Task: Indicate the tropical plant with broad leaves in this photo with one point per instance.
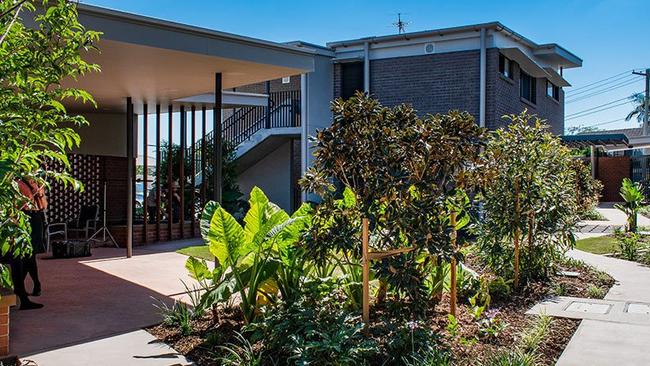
(40, 53)
(632, 194)
(254, 261)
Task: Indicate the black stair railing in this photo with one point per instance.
(283, 111)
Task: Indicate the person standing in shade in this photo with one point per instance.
(21, 267)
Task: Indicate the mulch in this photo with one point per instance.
(467, 347)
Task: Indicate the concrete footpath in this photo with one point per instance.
(611, 342)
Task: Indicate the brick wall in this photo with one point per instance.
(433, 83)
(611, 171)
(437, 83)
(503, 97)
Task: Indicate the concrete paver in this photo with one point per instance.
(598, 342)
(137, 348)
(96, 298)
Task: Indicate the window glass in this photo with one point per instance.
(528, 86)
(505, 66)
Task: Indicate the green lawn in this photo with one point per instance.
(597, 245)
(199, 251)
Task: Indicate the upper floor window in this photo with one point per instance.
(286, 80)
(505, 66)
(528, 87)
(552, 90)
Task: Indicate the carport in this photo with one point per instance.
(174, 80)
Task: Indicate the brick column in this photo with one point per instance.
(6, 301)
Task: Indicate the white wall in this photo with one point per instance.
(105, 135)
(273, 175)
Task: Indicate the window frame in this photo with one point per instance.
(554, 90)
(532, 87)
(506, 65)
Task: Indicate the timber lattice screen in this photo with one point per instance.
(64, 203)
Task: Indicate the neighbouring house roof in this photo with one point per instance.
(629, 132)
(549, 50)
(618, 140)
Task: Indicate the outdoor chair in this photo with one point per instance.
(82, 227)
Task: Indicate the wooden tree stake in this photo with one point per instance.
(517, 233)
(365, 262)
(453, 299)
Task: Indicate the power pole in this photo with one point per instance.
(646, 118)
(646, 100)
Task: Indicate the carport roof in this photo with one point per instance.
(158, 61)
(616, 140)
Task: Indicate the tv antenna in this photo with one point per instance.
(401, 25)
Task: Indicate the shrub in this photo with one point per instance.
(179, 315)
(499, 289)
(595, 292)
(628, 244)
(305, 333)
(529, 200)
(587, 191)
(398, 170)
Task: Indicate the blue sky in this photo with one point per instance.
(611, 36)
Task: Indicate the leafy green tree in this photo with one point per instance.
(632, 194)
(529, 200)
(587, 189)
(400, 169)
(36, 130)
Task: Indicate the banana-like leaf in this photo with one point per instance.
(225, 237)
(198, 269)
(206, 218)
(220, 293)
(256, 215)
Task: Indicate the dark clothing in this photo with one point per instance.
(17, 275)
(37, 222)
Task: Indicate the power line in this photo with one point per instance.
(596, 111)
(600, 81)
(598, 106)
(619, 79)
(613, 87)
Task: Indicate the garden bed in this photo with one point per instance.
(465, 343)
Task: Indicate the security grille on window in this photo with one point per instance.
(528, 86)
(552, 90)
(505, 66)
(286, 80)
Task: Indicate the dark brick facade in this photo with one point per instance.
(440, 82)
(503, 97)
(433, 83)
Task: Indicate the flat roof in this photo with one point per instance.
(571, 59)
(160, 62)
(175, 26)
(614, 140)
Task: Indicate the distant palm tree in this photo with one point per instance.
(639, 110)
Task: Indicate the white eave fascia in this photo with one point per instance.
(174, 26)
